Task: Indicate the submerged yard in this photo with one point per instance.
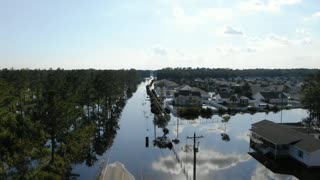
(218, 157)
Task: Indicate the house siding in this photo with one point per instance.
(294, 152)
(188, 101)
(258, 97)
(314, 158)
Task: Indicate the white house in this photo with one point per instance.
(244, 101)
(184, 87)
(283, 141)
(165, 88)
(271, 97)
(226, 98)
(187, 98)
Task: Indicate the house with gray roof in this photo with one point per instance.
(226, 97)
(204, 95)
(187, 98)
(282, 141)
(165, 88)
(272, 97)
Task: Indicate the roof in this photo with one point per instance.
(225, 95)
(202, 92)
(274, 132)
(273, 95)
(184, 87)
(282, 134)
(187, 93)
(165, 83)
(244, 97)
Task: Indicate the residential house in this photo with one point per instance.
(282, 141)
(187, 98)
(204, 95)
(184, 87)
(165, 88)
(271, 97)
(244, 101)
(226, 98)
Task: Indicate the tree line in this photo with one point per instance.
(192, 73)
(51, 119)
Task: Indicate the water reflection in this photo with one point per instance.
(263, 173)
(281, 169)
(217, 159)
(207, 161)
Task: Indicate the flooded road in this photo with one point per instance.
(219, 157)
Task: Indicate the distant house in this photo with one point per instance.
(243, 101)
(187, 98)
(226, 98)
(282, 141)
(204, 95)
(184, 87)
(165, 88)
(271, 97)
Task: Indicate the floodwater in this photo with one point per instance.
(219, 157)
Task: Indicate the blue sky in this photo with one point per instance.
(152, 34)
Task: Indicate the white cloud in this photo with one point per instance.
(202, 16)
(216, 14)
(273, 41)
(243, 136)
(262, 172)
(180, 17)
(232, 31)
(266, 6)
(160, 51)
(313, 17)
(205, 165)
(316, 15)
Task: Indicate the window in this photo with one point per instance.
(300, 154)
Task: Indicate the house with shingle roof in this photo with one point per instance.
(282, 141)
(184, 87)
(165, 88)
(187, 98)
(224, 97)
(271, 97)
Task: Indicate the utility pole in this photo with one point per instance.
(195, 150)
(281, 104)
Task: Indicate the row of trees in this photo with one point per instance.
(50, 119)
(192, 73)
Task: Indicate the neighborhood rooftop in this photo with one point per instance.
(273, 95)
(281, 134)
(165, 83)
(187, 93)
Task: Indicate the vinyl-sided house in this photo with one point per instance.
(244, 101)
(271, 97)
(226, 98)
(282, 141)
(184, 87)
(165, 88)
(187, 98)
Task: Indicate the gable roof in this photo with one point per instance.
(202, 92)
(282, 134)
(273, 95)
(274, 132)
(165, 83)
(187, 93)
(225, 95)
(184, 87)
